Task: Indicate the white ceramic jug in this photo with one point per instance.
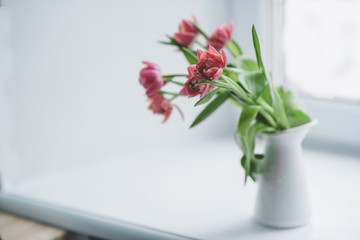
(283, 199)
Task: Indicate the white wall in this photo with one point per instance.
(69, 81)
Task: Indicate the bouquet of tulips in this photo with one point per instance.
(244, 81)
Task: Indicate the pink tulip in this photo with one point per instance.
(160, 105)
(150, 78)
(221, 36)
(187, 33)
(211, 63)
(190, 89)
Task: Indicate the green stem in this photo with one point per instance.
(174, 97)
(200, 44)
(237, 89)
(236, 102)
(233, 69)
(175, 82)
(265, 105)
(200, 30)
(174, 75)
(168, 78)
(234, 48)
(232, 52)
(169, 93)
(269, 118)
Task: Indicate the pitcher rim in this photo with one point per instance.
(296, 129)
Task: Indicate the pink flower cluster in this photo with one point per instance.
(209, 67)
(160, 105)
(151, 79)
(221, 36)
(187, 33)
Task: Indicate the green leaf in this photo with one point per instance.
(236, 101)
(252, 163)
(266, 118)
(248, 114)
(234, 48)
(245, 63)
(189, 55)
(211, 107)
(281, 93)
(300, 114)
(217, 83)
(243, 164)
(236, 88)
(207, 97)
(293, 101)
(277, 103)
(278, 106)
(254, 82)
(254, 130)
(266, 95)
(233, 70)
(247, 156)
(232, 75)
(166, 43)
(257, 49)
(297, 113)
(200, 30)
(296, 121)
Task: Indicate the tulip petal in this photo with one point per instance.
(224, 58)
(212, 50)
(231, 29)
(211, 64)
(151, 79)
(166, 116)
(183, 92)
(187, 33)
(185, 39)
(181, 113)
(199, 53)
(218, 74)
(221, 36)
(151, 65)
(195, 19)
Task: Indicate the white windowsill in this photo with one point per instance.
(199, 194)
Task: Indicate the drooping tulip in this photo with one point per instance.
(221, 36)
(211, 63)
(160, 105)
(151, 79)
(187, 33)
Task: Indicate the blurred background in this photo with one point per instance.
(70, 93)
(69, 90)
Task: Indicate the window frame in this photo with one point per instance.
(339, 120)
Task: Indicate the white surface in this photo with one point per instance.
(199, 192)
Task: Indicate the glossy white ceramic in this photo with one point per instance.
(283, 199)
